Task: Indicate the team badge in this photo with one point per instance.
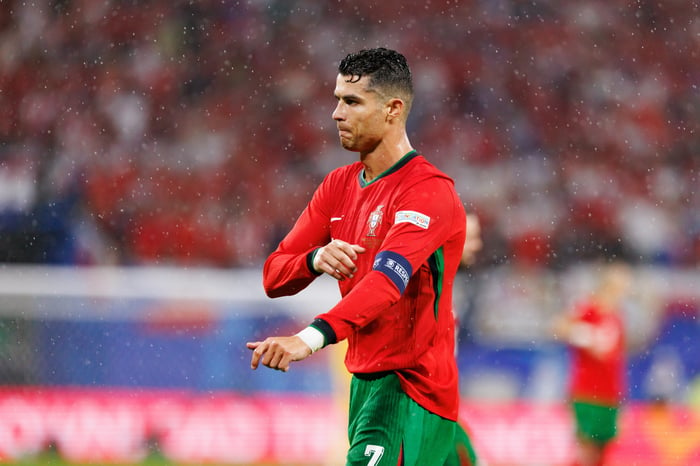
(375, 220)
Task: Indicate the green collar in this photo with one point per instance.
(396, 167)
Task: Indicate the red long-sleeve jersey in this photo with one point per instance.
(599, 378)
(397, 310)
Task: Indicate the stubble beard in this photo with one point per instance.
(347, 144)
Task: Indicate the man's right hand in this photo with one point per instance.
(278, 352)
(337, 259)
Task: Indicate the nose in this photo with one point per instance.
(338, 114)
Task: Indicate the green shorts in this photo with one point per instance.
(597, 423)
(385, 424)
(463, 453)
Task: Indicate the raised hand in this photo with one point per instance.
(337, 259)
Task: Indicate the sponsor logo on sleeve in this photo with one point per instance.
(410, 216)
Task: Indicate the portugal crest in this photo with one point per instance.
(375, 220)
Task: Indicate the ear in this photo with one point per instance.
(394, 108)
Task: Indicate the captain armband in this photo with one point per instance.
(395, 267)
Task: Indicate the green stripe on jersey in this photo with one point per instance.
(437, 269)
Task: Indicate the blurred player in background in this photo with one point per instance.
(595, 332)
(391, 229)
(463, 453)
(473, 242)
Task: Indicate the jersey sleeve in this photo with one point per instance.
(288, 269)
(425, 218)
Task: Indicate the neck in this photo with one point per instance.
(383, 157)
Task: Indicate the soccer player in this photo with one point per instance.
(595, 332)
(390, 228)
(473, 242)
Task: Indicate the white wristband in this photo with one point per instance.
(313, 338)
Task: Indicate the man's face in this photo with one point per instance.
(360, 115)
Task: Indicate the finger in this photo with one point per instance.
(341, 272)
(285, 362)
(267, 357)
(352, 252)
(257, 353)
(358, 249)
(253, 344)
(348, 253)
(341, 250)
(325, 262)
(333, 267)
(337, 259)
(343, 263)
(346, 265)
(337, 270)
(276, 359)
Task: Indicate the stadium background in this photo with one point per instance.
(152, 154)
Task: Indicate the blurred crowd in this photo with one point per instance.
(193, 133)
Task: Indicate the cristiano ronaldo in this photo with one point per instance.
(390, 229)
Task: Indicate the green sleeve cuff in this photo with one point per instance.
(310, 262)
(327, 331)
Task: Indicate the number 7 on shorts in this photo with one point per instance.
(376, 452)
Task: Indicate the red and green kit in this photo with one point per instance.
(599, 379)
(396, 312)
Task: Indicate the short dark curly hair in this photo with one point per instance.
(387, 70)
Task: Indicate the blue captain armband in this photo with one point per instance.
(394, 266)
